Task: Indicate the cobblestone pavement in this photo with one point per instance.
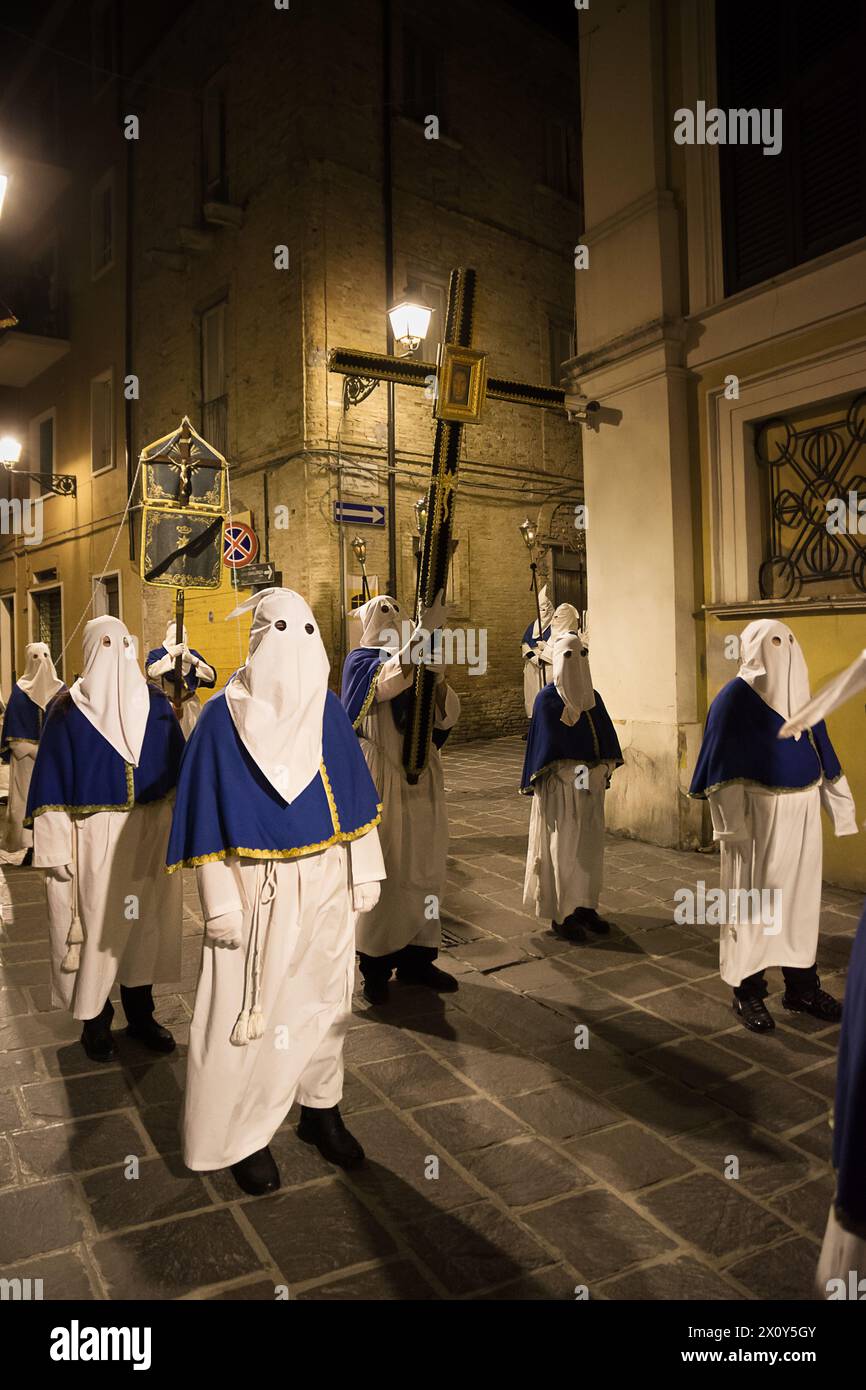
(557, 1167)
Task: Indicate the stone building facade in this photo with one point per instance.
(260, 208)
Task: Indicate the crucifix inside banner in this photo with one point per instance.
(461, 386)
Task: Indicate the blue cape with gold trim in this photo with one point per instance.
(360, 673)
(78, 771)
(592, 740)
(534, 641)
(741, 745)
(192, 680)
(22, 720)
(226, 806)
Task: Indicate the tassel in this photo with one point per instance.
(240, 1033)
(72, 959)
(256, 1027)
(74, 938)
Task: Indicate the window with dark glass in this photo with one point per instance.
(779, 211)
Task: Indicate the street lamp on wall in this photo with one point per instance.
(359, 549)
(63, 484)
(409, 324)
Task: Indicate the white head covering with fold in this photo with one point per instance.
(773, 664)
(545, 605)
(277, 698)
(111, 691)
(565, 619)
(571, 675)
(836, 692)
(380, 620)
(40, 681)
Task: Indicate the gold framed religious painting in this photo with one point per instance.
(183, 469)
(462, 385)
(180, 548)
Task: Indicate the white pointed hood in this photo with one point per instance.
(111, 691)
(571, 675)
(277, 698)
(545, 605)
(773, 664)
(380, 619)
(40, 681)
(565, 619)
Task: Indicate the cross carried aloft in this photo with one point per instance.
(461, 386)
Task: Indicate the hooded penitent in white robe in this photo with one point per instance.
(768, 824)
(274, 994)
(535, 650)
(39, 684)
(571, 753)
(114, 913)
(414, 829)
(195, 671)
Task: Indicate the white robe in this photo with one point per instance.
(130, 908)
(414, 827)
(238, 1096)
(21, 760)
(536, 674)
(772, 841)
(565, 853)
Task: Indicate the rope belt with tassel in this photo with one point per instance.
(250, 1025)
(75, 935)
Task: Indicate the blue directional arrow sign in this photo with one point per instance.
(359, 514)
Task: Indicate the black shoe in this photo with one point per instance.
(568, 930)
(27, 860)
(818, 1003)
(257, 1174)
(376, 991)
(152, 1034)
(326, 1130)
(754, 1015)
(426, 973)
(96, 1036)
(588, 917)
(137, 1001)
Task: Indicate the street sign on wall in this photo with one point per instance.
(359, 513)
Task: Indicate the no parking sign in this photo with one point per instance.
(240, 546)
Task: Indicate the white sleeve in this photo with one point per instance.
(449, 718)
(728, 810)
(205, 672)
(52, 839)
(219, 888)
(365, 855)
(161, 667)
(838, 802)
(23, 750)
(392, 679)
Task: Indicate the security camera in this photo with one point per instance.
(579, 407)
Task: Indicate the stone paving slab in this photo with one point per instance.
(568, 1118)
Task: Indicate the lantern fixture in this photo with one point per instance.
(409, 324)
(420, 510)
(529, 532)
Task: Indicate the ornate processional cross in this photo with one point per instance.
(461, 386)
